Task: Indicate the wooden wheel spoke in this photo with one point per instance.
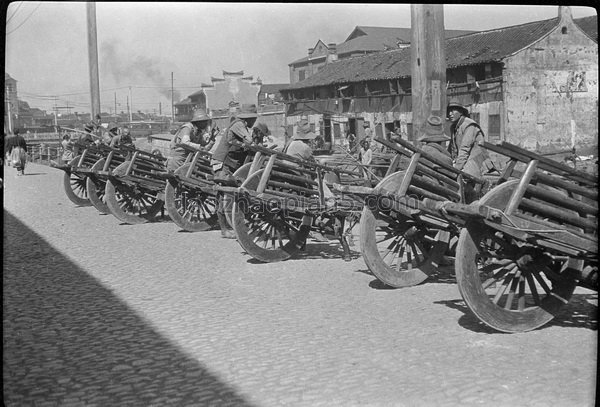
(511, 291)
(521, 299)
(551, 274)
(409, 258)
(422, 249)
(541, 281)
(533, 288)
(500, 291)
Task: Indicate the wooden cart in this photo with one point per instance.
(528, 242)
(75, 177)
(403, 233)
(283, 199)
(134, 191)
(97, 175)
(190, 198)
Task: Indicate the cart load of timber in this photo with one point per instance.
(402, 233)
(283, 199)
(190, 197)
(134, 191)
(522, 247)
(74, 180)
(97, 175)
(528, 243)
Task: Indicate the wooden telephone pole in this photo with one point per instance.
(93, 58)
(428, 62)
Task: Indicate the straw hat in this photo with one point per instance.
(200, 116)
(434, 130)
(247, 111)
(263, 129)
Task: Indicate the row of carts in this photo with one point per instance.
(519, 251)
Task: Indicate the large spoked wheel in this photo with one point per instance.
(130, 204)
(266, 235)
(75, 186)
(190, 209)
(96, 188)
(399, 251)
(511, 285)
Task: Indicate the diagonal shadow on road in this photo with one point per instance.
(69, 340)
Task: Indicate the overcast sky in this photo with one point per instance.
(140, 44)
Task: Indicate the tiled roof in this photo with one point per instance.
(378, 38)
(374, 39)
(589, 25)
(470, 49)
(186, 101)
(273, 87)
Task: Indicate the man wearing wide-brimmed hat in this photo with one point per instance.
(299, 147)
(260, 131)
(433, 139)
(191, 134)
(464, 147)
(228, 157)
(107, 136)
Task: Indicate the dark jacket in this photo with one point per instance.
(227, 152)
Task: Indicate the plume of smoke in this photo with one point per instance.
(138, 69)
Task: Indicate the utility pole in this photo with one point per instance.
(115, 103)
(172, 102)
(93, 58)
(428, 64)
(55, 111)
(8, 110)
(131, 109)
(159, 109)
(128, 110)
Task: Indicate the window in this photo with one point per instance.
(301, 75)
(564, 30)
(494, 134)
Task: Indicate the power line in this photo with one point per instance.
(24, 21)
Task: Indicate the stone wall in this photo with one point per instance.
(551, 92)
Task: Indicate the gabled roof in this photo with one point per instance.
(186, 101)
(469, 49)
(364, 38)
(373, 39)
(200, 92)
(273, 87)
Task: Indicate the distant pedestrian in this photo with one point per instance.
(17, 149)
(365, 155)
(351, 139)
(67, 145)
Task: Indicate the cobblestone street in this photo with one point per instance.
(99, 313)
